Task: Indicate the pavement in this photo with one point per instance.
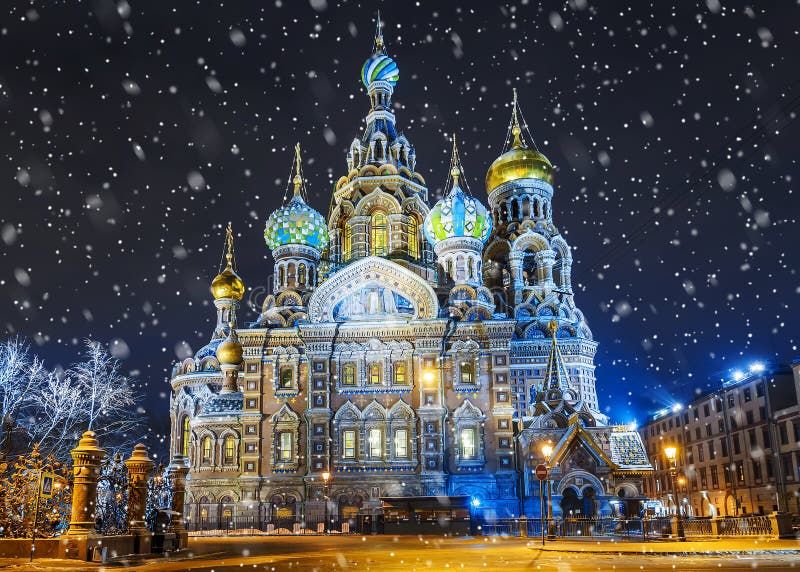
(418, 553)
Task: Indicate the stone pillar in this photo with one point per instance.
(544, 267)
(781, 525)
(176, 475)
(86, 459)
(139, 467)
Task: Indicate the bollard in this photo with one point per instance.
(86, 459)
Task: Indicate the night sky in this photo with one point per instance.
(132, 132)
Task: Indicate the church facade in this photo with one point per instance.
(405, 350)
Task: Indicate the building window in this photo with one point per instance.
(466, 372)
(285, 381)
(757, 471)
(349, 438)
(401, 444)
(347, 245)
(206, 450)
(285, 447)
(185, 436)
(379, 234)
(714, 477)
(301, 274)
(250, 467)
(229, 447)
(250, 429)
(252, 403)
(374, 374)
(250, 447)
(467, 439)
(400, 374)
(349, 374)
(760, 389)
(252, 385)
(375, 444)
(747, 394)
(784, 433)
(413, 238)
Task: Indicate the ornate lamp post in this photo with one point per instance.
(672, 455)
(547, 453)
(325, 477)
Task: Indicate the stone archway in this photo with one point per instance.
(589, 502)
(571, 503)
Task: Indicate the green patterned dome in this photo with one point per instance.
(296, 223)
(458, 214)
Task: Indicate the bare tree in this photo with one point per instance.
(20, 376)
(57, 415)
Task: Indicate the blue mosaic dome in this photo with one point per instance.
(380, 67)
(224, 403)
(458, 214)
(296, 223)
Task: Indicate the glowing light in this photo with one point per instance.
(756, 367)
(738, 375)
(670, 452)
(677, 407)
(476, 502)
(547, 450)
(633, 426)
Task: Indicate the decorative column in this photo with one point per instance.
(86, 459)
(544, 266)
(176, 475)
(515, 268)
(139, 467)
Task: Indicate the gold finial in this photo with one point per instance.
(515, 129)
(553, 325)
(298, 179)
(229, 245)
(455, 171)
(379, 35)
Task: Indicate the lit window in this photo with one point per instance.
(349, 444)
(206, 447)
(375, 444)
(466, 372)
(400, 374)
(379, 234)
(185, 437)
(401, 444)
(286, 378)
(348, 243)
(230, 450)
(349, 374)
(374, 374)
(413, 240)
(468, 443)
(285, 451)
(301, 274)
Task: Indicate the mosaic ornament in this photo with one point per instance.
(456, 215)
(380, 67)
(296, 223)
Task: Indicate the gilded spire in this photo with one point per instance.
(456, 170)
(298, 179)
(379, 35)
(515, 128)
(556, 375)
(227, 284)
(229, 247)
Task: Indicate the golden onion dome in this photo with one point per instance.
(519, 162)
(229, 352)
(227, 284)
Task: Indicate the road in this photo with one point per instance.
(409, 554)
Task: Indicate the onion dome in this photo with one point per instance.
(227, 284)
(457, 215)
(296, 222)
(230, 352)
(379, 67)
(519, 162)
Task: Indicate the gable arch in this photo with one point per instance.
(377, 199)
(530, 241)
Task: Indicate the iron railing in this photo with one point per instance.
(745, 526)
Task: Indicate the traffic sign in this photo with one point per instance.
(540, 472)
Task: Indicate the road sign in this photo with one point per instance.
(48, 480)
(540, 472)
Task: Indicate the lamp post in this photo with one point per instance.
(325, 477)
(547, 453)
(672, 455)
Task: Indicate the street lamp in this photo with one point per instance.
(672, 455)
(325, 476)
(547, 452)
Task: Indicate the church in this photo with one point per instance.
(405, 350)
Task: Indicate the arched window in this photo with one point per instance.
(285, 378)
(281, 276)
(301, 275)
(374, 374)
(467, 442)
(413, 238)
(205, 455)
(229, 450)
(379, 234)
(348, 243)
(466, 372)
(400, 373)
(349, 374)
(185, 436)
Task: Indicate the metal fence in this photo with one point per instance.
(255, 526)
(745, 526)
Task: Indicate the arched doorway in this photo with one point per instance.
(226, 512)
(571, 505)
(589, 502)
(730, 506)
(349, 506)
(283, 510)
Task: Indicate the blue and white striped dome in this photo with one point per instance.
(296, 223)
(456, 215)
(380, 67)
